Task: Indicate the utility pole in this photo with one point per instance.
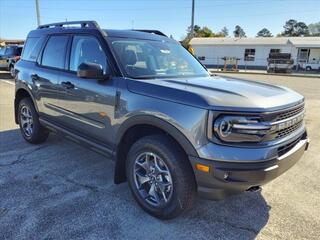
(38, 12)
(192, 20)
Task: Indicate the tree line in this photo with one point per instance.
(292, 28)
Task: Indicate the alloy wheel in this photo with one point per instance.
(153, 179)
(26, 121)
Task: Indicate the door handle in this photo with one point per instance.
(67, 85)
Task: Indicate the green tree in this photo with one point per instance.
(196, 28)
(264, 32)
(239, 32)
(293, 28)
(199, 32)
(205, 32)
(314, 29)
(224, 32)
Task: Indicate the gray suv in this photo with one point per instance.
(139, 98)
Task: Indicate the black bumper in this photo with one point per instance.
(228, 178)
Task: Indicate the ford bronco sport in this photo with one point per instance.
(140, 98)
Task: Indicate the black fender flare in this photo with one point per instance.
(22, 87)
(162, 124)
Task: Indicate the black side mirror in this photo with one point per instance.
(90, 70)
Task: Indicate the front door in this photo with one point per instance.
(87, 105)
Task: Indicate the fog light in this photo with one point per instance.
(202, 168)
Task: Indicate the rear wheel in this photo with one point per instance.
(30, 127)
(160, 177)
(308, 68)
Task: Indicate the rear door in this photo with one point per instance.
(47, 73)
(87, 105)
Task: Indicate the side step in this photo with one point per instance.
(79, 139)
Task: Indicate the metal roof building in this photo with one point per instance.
(253, 52)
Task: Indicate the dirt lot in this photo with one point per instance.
(59, 190)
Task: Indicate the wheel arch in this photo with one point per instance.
(20, 94)
(143, 126)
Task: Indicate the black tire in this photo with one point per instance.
(308, 68)
(38, 134)
(12, 72)
(183, 192)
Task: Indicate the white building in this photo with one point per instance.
(253, 52)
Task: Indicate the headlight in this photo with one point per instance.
(239, 129)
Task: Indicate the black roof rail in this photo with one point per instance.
(151, 31)
(83, 24)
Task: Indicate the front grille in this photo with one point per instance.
(290, 113)
(281, 118)
(285, 132)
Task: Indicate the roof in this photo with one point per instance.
(305, 41)
(92, 27)
(296, 41)
(108, 32)
(136, 34)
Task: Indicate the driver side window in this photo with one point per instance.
(87, 49)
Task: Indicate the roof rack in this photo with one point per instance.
(157, 32)
(83, 24)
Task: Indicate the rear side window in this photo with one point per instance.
(32, 48)
(55, 51)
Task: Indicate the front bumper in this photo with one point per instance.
(228, 177)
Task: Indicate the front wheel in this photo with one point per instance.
(12, 71)
(30, 127)
(160, 177)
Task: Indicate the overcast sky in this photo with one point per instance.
(18, 17)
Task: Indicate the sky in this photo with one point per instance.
(18, 17)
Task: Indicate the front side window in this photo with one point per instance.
(87, 49)
(55, 51)
(249, 54)
(142, 58)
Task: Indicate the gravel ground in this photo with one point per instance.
(59, 190)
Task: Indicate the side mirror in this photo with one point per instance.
(90, 70)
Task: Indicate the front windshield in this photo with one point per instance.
(155, 59)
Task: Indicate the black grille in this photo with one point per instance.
(285, 132)
(290, 113)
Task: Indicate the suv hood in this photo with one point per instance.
(218, 93)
